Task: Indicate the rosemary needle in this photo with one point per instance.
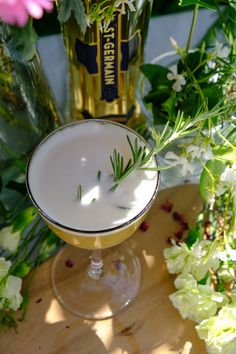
(99, 175)
(79, 192)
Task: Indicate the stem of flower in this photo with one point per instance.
(198, 88)
(226, 217)
(194, 19)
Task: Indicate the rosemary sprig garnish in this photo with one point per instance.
(123, 207)
(140, 158)
(79, 193)
(99, 175)
(120, 171)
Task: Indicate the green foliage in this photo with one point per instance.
(156, 74)
(193, 236)
(22, 269)
(209, 4)
(22, 42)
(203, 79)
(210, 177)
(75, 8)
(17, 186)
(224, 153)
(24, 219)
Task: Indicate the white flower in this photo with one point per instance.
(226, 273)
(4, 267)
(229, 174)
(9, 239)
(219, 332)
(184, 280)
(178, 258)
(179, 160)
(211, 200)
(208, 154)
(179, 79)
(227, 180)
(197, 303)
(10, 293)
(181, 259)
(221, 51)
(197, 152)
(173, 43)
(202, 260)
(123, 3)
(228, 254)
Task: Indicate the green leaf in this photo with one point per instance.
(158, 95)
(22, 43)
(193, 60)
(207, 183)
(189, 104)
(203, 281)
(231, 134)
(225, 153)
(21, 270)
(3, 212)
(170, 107)
(5, 78)
(158, 116)
(77, 7)
(192, 237)
(213, 94)
(209, 4)
(1, 184)
(24, 219)
(156, 74)
(16, 186)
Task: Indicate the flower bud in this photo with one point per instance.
(226, 273)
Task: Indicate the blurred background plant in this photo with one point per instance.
(27, 113)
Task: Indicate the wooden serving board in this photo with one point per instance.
(149, 326)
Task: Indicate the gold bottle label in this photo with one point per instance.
(108, 60)
(109, 63)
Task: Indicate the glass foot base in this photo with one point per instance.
(93, 298)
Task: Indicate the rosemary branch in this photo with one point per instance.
(140, 158)
(120, 171)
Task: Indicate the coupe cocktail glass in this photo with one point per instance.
(69, 180)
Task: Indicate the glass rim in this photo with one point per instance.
(81, 231)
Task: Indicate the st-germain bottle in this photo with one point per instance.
(104, 64)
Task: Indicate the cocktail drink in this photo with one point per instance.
(70, 181)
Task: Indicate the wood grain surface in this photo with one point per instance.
(149, 326)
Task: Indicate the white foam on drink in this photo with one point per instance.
(73, 156)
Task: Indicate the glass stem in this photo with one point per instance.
(96, 265)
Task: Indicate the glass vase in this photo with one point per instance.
(104, 65)
(173, 176)
(27, 107)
